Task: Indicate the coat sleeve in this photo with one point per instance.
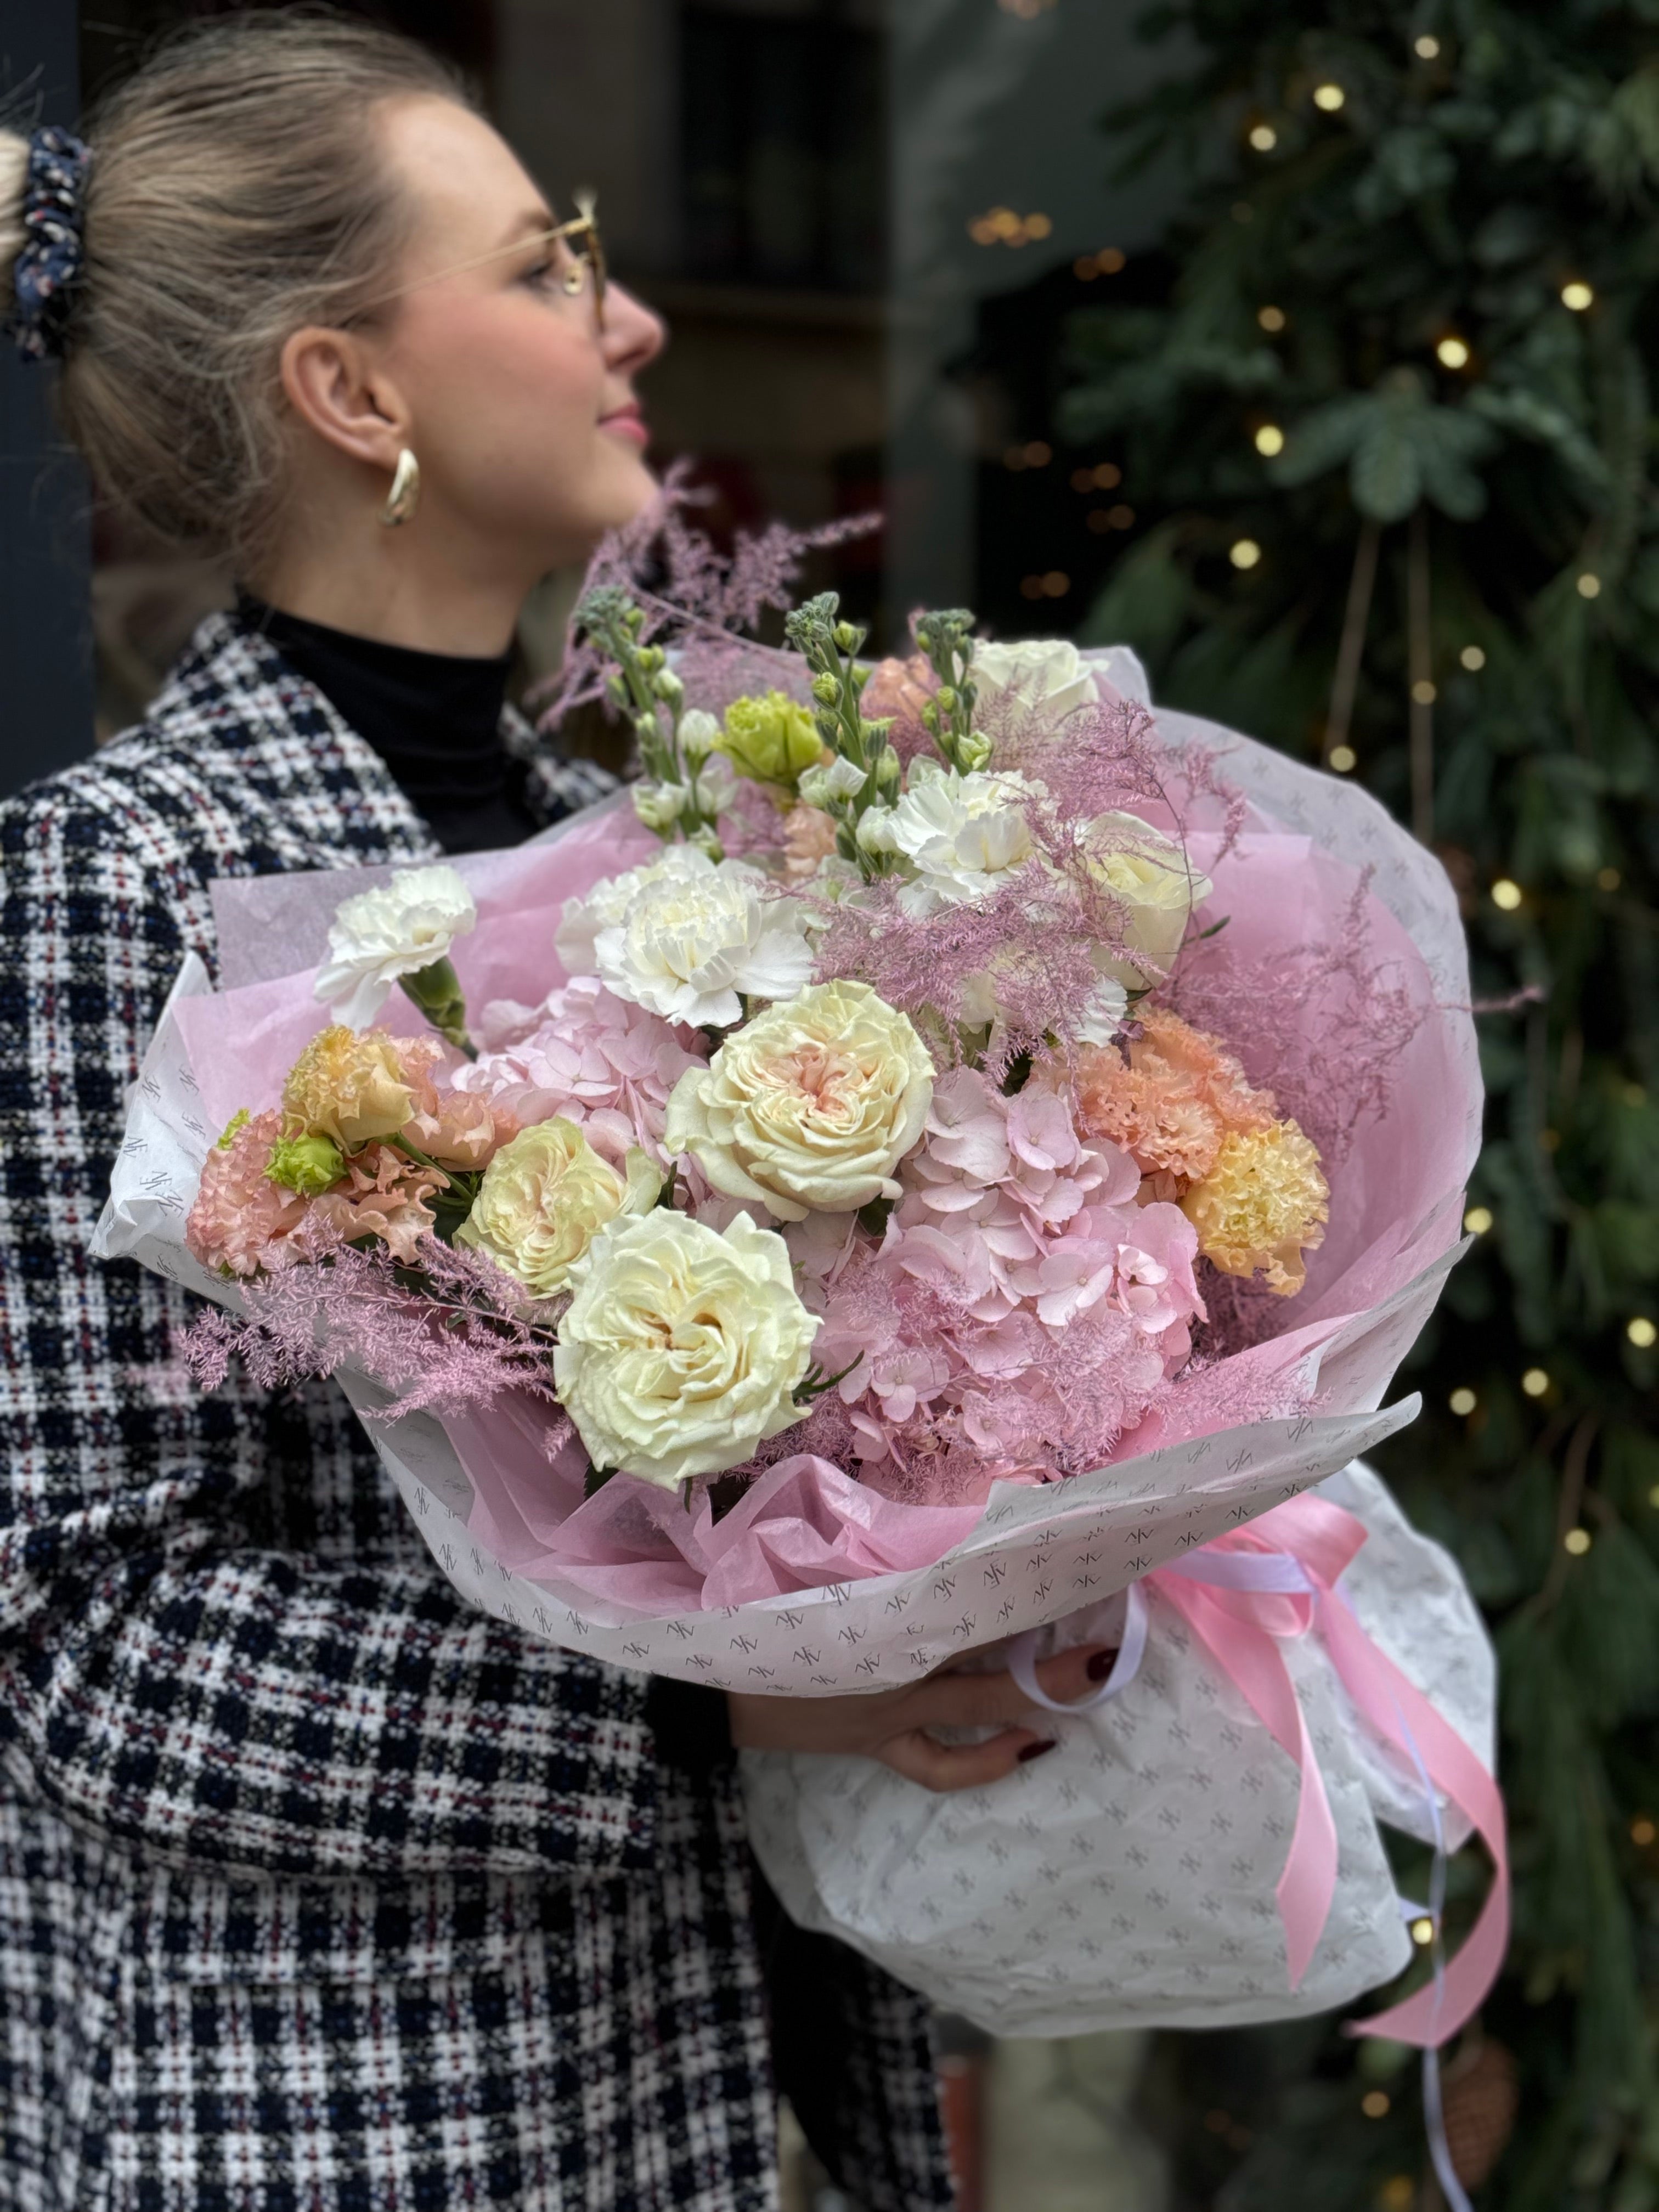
(178, 1668)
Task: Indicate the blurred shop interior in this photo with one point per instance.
(867, 223)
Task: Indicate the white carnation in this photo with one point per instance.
(1048, 673)
(960, 833)
(686, 944)
(380, 936)
(607, 902)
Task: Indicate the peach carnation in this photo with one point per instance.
(241, 1221)
(809, 836)
(1172, 1104)
(1265, 1204)
(383, 1195)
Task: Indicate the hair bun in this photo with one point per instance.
(53, 219)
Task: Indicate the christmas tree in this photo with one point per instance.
(1387, 433)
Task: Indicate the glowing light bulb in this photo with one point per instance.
(1642, 1333)
(1427, 48)
(1534, 1383)
(1271, 319)
(1264, 137)
(1375, 2104)
(1343, 759)
(1270, 440)
(1641, 1830)
(1422, 1931)
(1477, 1220)
(1472, 659)
(1607, 879)
(1329, 97)
(1590, 586)
(1423, 693)
(1577, 1541)
(1452, 353)
(1462, 1402)
(1506, 895)
(1577, 296)
(1244, 553)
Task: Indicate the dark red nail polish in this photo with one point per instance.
(1036, 1750)
(1100, 1665)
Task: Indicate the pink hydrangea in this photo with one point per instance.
(593, 1058)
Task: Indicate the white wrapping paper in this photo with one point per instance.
(1127, 1878)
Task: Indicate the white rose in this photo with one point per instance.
(380, 936)
(810, 1107)
(607, 902)
(1044, 672)
(687, 944)
(683, 1346)
(1158, 887)
(961, 832)
(544, 1199)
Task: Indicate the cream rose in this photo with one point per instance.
(544, 1199)
(1048, 673)
(810, 1107)
(683, 1346)
(1157, 885)
(381, 936)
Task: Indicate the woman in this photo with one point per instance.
(317, 1889)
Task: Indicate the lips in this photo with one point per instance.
(627, 422)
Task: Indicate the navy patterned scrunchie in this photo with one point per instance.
(47, 269)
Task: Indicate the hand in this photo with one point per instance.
(893, 1725)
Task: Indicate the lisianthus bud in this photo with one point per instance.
(889, 769)
(307, 1164)
(700, 732)
(973, 752)
(825, 690)
(847, 638)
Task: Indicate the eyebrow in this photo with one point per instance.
(537, 222)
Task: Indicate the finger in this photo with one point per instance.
(1070, 1676)
(947, 1767)
(997, 1700)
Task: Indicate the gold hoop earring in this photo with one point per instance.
(405, 494)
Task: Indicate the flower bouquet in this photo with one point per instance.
(949, 1145)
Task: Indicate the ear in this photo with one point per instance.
(332, 384)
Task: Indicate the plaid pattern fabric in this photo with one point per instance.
(317, 1890)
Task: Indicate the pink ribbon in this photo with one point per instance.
(1247, 1594)
(1244, 1618)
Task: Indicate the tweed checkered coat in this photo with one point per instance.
(318, 1892)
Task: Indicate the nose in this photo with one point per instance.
(634, 336)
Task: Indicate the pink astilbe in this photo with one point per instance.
(442, 1336)
(241, 1221)
(688, 591)
(1323, 1026)
(595, 1059)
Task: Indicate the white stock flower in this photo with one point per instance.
(380, 936)
(686, 944)
(659, 806)
(961, 832)
(1158, 887)
(545, 1196)
(683, 1346)
(1047, 673)
(844, 779)
(607, 902)
(810, 1107)
(700, 732)
(875, 831)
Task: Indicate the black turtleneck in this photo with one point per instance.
(434, 718)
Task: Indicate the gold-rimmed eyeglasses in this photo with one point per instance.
(580, 235)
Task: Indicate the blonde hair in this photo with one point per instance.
(238, 190)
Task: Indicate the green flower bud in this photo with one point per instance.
(771, 739)
(972, 752)
(238, 1121)
(889, 769)
(847, 637)
(667, 685)
(306, 1165)
(826, 690)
